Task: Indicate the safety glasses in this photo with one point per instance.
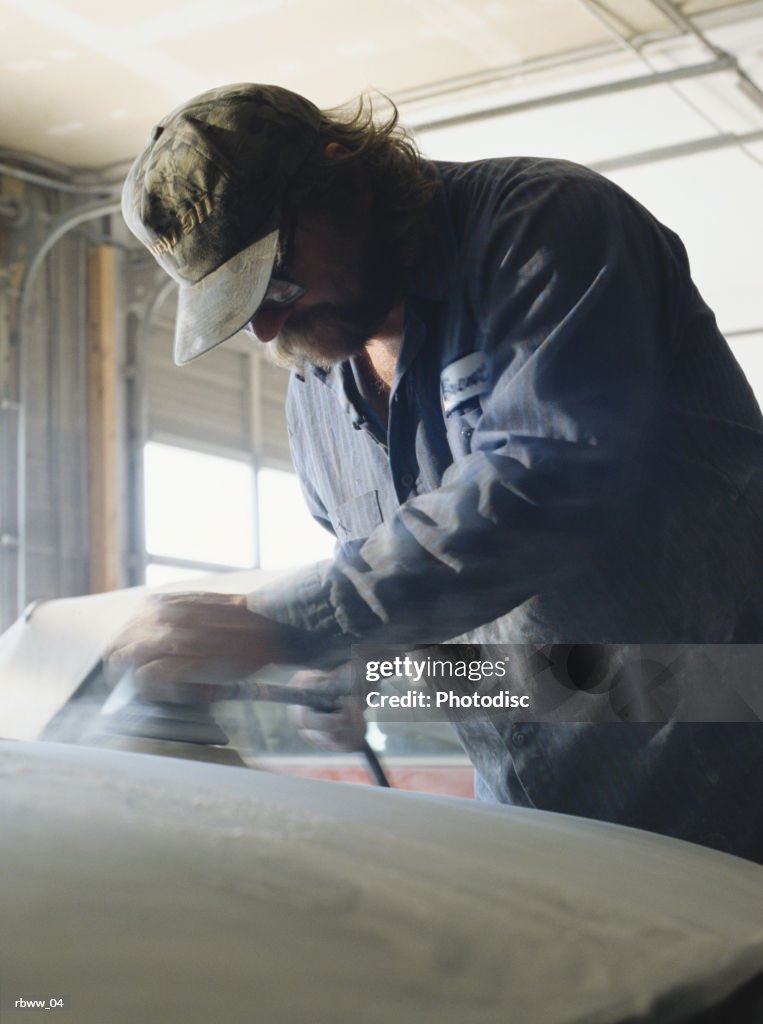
(280, 294)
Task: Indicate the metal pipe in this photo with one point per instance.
(686, 25)
(603, 15)
(138, 425)
(449, 87)
(33, 178)
(586, 92)
(677, 150)
(494, 76)
(680, 20)
(743, 332)
(60, 226)
(43, 164)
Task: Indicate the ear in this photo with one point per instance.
(334, 149)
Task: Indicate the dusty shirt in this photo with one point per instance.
(571, 450)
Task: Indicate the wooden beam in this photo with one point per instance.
(10, 188)
(103, 451)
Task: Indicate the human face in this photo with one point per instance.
(349, 283)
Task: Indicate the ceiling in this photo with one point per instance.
(82, 81)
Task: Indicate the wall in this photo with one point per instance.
(44, 412)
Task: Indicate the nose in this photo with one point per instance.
(267, 324)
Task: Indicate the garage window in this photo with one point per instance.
(200, 516)
(289, 535)
(199, 513)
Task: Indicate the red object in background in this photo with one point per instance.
(441, 776)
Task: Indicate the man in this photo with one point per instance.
(508, 402)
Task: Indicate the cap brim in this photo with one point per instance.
(223, 302)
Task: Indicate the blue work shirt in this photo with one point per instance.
(572, 455)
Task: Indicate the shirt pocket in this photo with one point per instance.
(357, 518)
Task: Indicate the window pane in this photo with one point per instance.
(157, 575)
(288, 533)
(198, 506)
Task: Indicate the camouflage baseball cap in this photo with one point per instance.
(204, 197)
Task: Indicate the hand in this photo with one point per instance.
(343, 729)
(187, 647)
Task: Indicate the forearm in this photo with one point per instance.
(492, 535)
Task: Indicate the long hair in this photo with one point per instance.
(381, 155)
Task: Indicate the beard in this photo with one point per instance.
(328, 334)
(331, 332)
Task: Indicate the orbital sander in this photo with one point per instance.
(190, 729)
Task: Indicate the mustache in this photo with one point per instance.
(327, 317)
